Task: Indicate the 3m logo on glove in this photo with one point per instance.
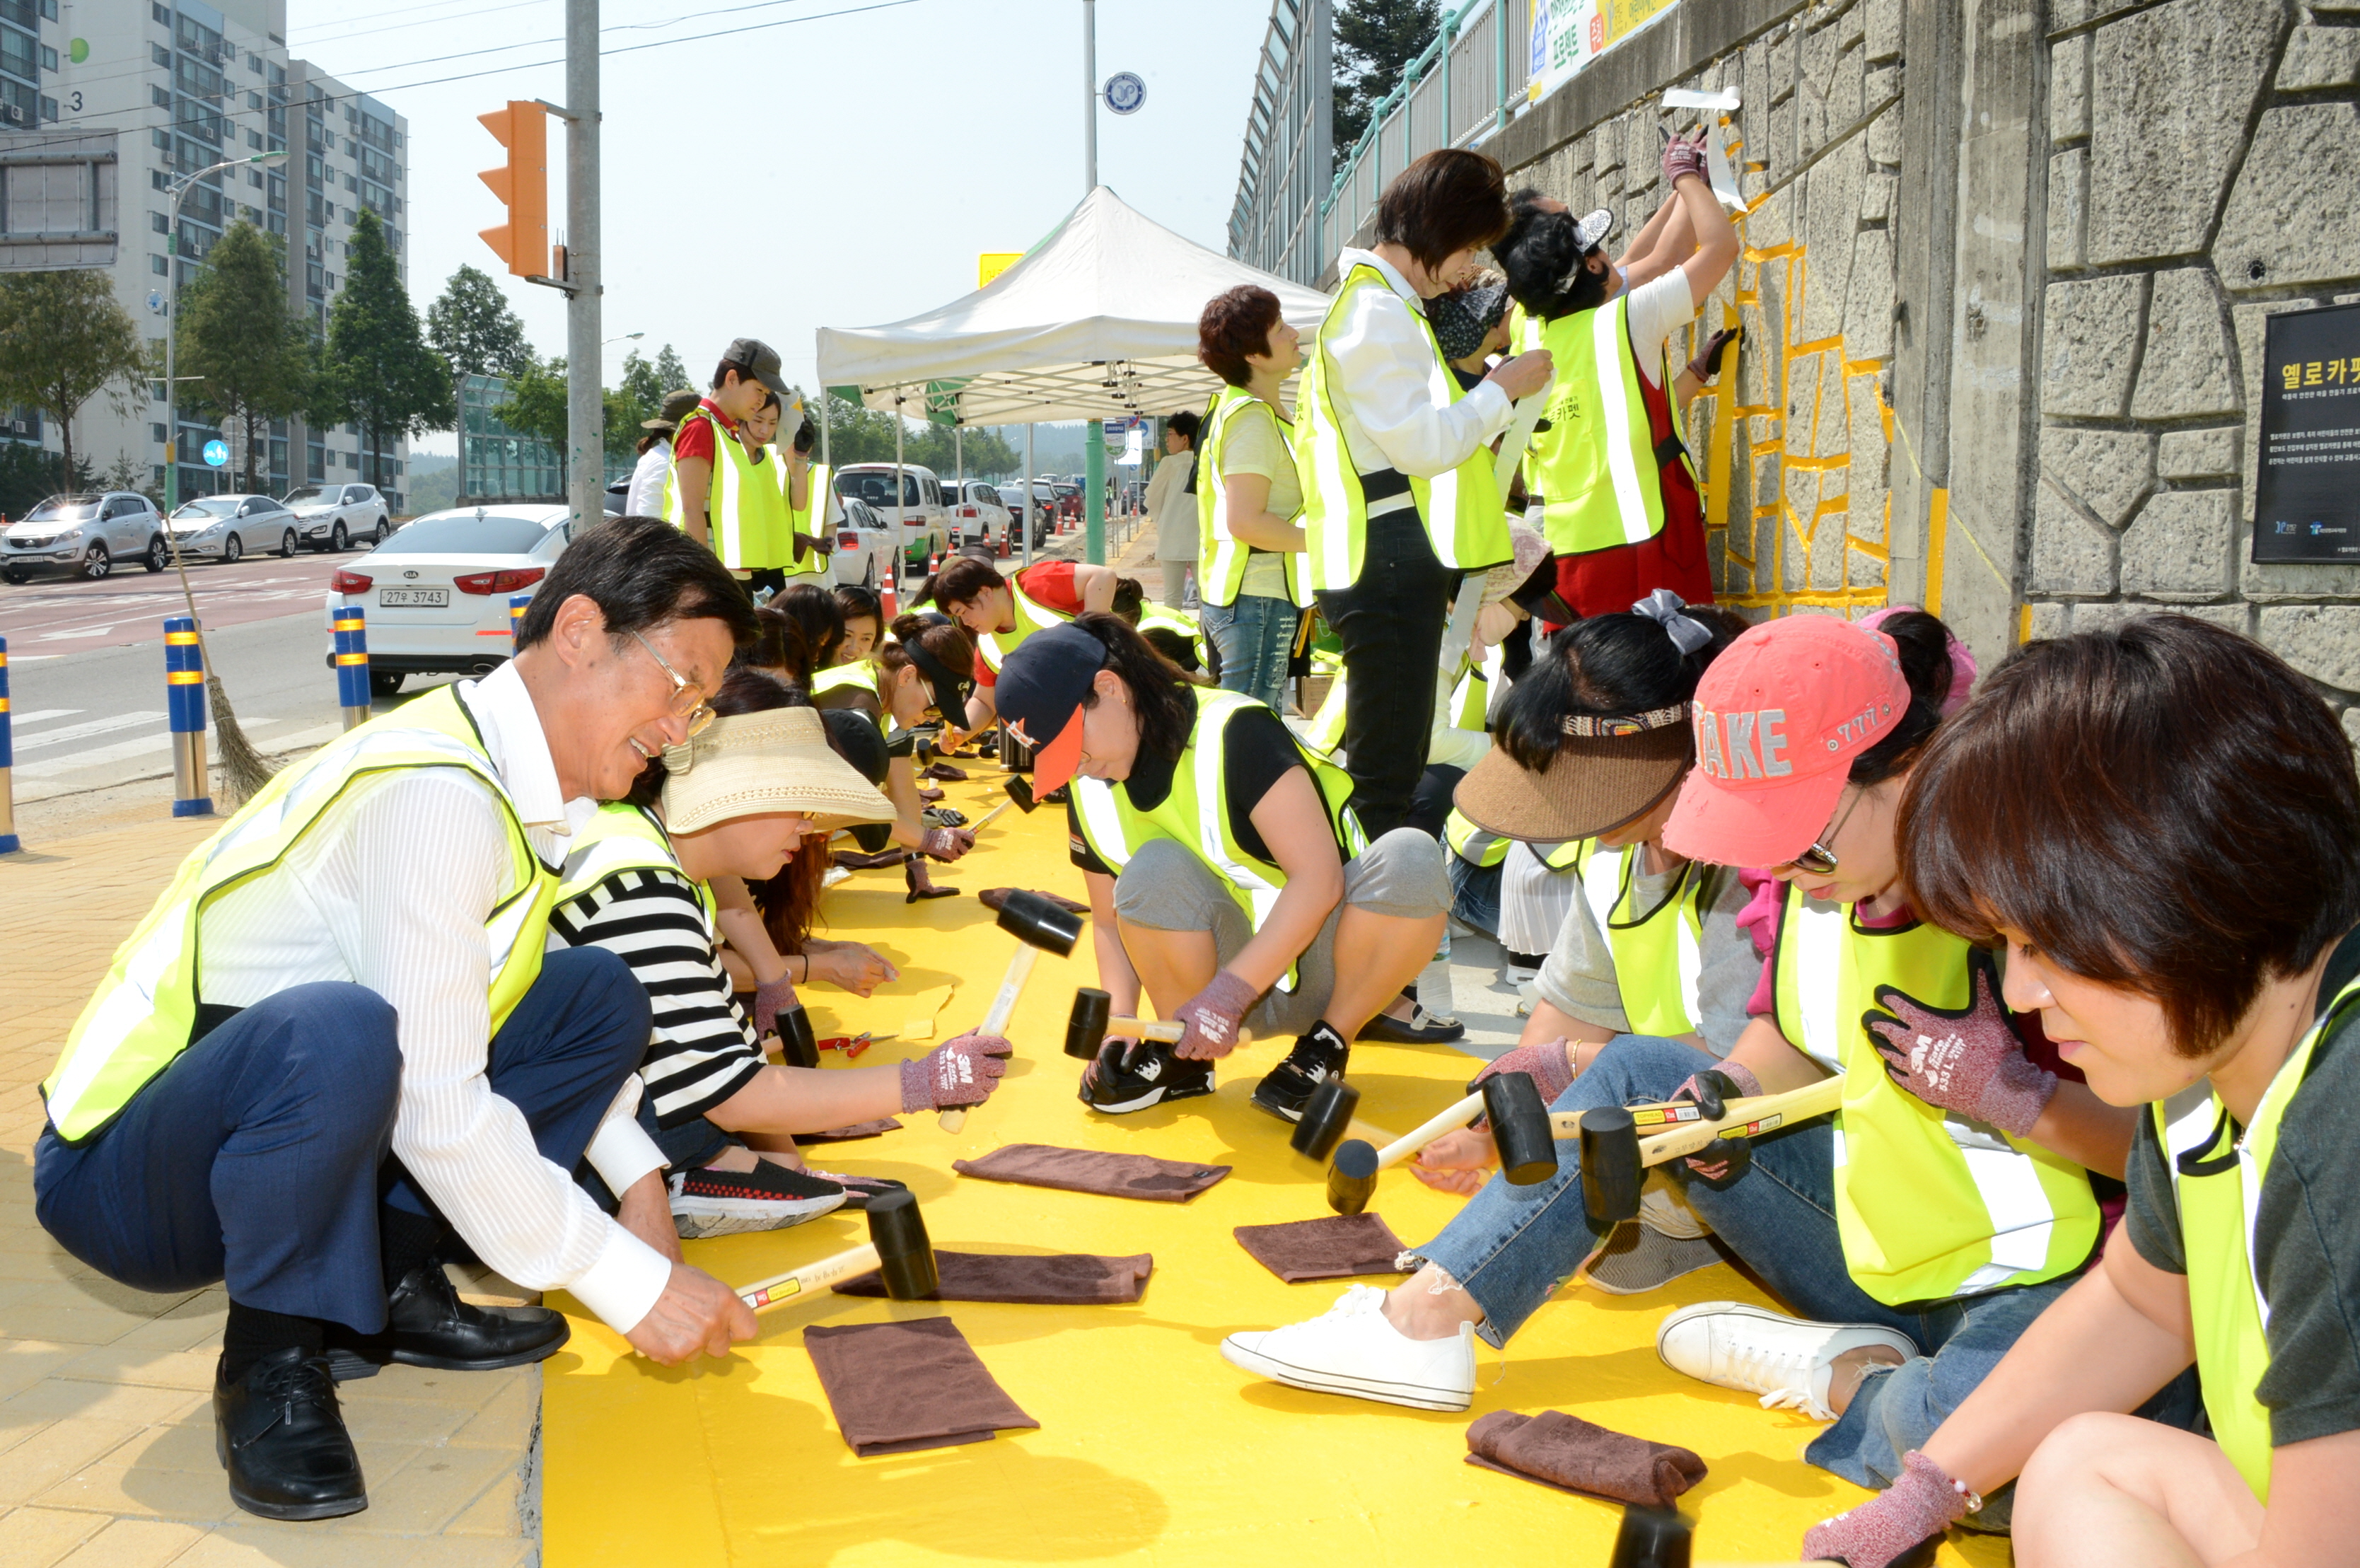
(1934, 1060)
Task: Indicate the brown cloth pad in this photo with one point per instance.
(880, 1126)
(1575, 1455)
(896, 1387)
(1061, 1279)
(1336, 1247)
(991, 898)
(853, 860)
(1086, 1170)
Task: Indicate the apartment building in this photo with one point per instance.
(186, 85)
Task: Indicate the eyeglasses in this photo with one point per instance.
(687, 698)
(1818, 860)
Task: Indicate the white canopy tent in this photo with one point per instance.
(1098, 322)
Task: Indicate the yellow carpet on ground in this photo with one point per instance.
(1151, 1449)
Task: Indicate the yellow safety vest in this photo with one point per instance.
(813, 520)
(1225, 568)
(1175, 620)
(1479, 846)
(1659, 952)
(1595, 465)
(2216, 1175)
(1461, 509)
(995, 646)
(765, 521)
(620, 836)
(1929, 1205)
(859, 676)
(1196, 813)
(146, 1009)
(1326, 730)
(733, 498)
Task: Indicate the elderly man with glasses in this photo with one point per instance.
(334, 1049)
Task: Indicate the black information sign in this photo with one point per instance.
(2307, 495)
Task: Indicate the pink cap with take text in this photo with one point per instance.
(1780, 718)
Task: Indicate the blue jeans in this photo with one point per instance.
(259, 1156)
(1475, 895)
(1513, 1246)
(1254, 635)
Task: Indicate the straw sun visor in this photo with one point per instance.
(1607, 771)
(750, 764)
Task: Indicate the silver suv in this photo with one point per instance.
(85, 533)
(330, 517)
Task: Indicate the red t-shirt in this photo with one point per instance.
(1049, 584)
(694, 436)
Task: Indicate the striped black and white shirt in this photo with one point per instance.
(703, 1050)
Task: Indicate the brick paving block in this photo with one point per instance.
(58, 1449)
(433, 1489)
(35, 1537)
(133, 1543)
(57, 1399)
(507, 1419)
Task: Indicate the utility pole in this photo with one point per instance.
(585, 408)
(1090, 94)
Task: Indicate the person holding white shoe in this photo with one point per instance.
(1905, 1252)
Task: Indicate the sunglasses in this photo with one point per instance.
(1818, 860)
(688, 700)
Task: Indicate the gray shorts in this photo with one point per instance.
(1167, 888)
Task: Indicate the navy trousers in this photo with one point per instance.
(260, 1155)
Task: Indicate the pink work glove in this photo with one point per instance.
(1211, 1017)
(1969, 1061)
(1683, 156)
(946, 844)
(1920, 1506)
(1707, 363)
(958, 1072)
(768, 998)
(1550, 1062)
(1711, 1162)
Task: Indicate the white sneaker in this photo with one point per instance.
(1353, 1349)
(1784, 1360)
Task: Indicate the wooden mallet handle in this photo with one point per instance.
(1012, 986)
(983, 821)
(780, 1288)
(1162, 1030)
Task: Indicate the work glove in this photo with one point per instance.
(1707, 363)
(1211, 1017)
(1723, 1159)
(953, 1074)
(1550, 1062)
(1921, 1504)
(1684, 156)
(769, 997)
(1970, 1061)
(946, 844)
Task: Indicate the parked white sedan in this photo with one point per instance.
(231, 527)
(435, 596)
(864, 545)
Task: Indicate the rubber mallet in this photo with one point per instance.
(1520, 1128)
(1614, 1156)
(897, 1249)
(1093, 1019)
(1019, 790)
(980, 823)
(798, 1041)
(1037, 926)
(1651, 1537)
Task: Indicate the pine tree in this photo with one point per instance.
(378, 371)
(249, 359)
(63, 341)
(472, 327)
(1376, 41)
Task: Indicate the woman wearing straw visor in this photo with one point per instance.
(1225, 871)
(1961, 1205)
(754, 790)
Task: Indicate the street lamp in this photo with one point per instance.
(177, 189)
(626, 337)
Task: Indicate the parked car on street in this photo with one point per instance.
(86, 534)
(864, 545)
(437, 592)
(978, 515)
(925, 519)
(1041, 513)
(330, 517)
(231, 527)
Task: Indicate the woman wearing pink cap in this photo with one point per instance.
(1922, 1239)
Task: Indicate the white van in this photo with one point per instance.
(924, 515)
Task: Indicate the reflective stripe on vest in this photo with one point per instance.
(1596, 466)
(1196, 813)
(619, 837)
(810, 563)
(1476, 846)
(859, 676)
(727, 488)
(1461, 510)
(1225, 568)
(1929, 1205)
(2218, 1186)
(1030, 616)
(763, 522)
(1658, 953)
(144, 1010)
(1176, 620)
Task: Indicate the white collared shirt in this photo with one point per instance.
(1383, 383)
(392, 892)
(645, 498)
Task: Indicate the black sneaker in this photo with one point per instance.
(1144, 1074)
(1317, 1057)
(771, 1197)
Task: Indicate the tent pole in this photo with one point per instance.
(1094, 491)
(825, 459)
(1090, 92)
(900, 511)
(1032, 505)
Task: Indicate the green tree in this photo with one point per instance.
(379, 372)
(28, 473)
(472, 327)
(536, 407)
(1376, 41)
(63, 341)
(251, 360)
(671, 374)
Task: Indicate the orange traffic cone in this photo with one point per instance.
(892, 607)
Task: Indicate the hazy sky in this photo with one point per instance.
(840, 171)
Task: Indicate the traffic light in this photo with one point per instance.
(522, 186)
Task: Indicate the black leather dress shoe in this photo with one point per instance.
(428, 1325)
(281, 1437)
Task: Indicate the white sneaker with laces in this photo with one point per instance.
(1784, 1360)
(1351, 1349)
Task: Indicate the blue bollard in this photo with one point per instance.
(517, 603)
(184, 701)
(352, 665)
(8, 841)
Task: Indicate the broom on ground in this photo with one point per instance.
(244, 772)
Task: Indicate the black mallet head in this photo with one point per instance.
(1352, 1177)
(1520, 1128)
(905, 1258)
(1086, 1026)
(1651, 1537)
(798, 1045)
(1019, 790)
(1037, 922)
(1325, 1116)
(1611, 1176)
